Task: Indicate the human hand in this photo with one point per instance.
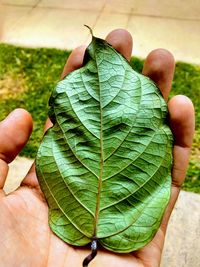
(26, 239)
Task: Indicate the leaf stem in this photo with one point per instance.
(92, 255)
(89, 29)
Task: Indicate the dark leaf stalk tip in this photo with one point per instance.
(92, 255)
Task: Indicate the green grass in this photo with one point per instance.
(27, 77)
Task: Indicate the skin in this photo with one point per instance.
(26, 239)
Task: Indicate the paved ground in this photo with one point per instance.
(17, 171)
(172, 24)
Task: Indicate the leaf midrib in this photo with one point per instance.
(101, 157)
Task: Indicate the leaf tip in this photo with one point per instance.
(91, 32)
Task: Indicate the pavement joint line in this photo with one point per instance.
(163, 17)
(129, 17)
(53, 7)
(15, 5)
(12, 27)
(116, 12)
(96, 20)
(37, 3)
(33, 7)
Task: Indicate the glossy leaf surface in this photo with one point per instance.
(105, 165)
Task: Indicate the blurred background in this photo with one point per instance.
(36, 37)
(173, 24)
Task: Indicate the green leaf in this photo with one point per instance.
(105, 165)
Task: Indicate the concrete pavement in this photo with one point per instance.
(174, 25)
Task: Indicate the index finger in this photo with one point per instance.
(15, 131)
(159, 66)
(182, 124)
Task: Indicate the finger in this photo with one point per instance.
(120, 39)
(3, 172)
(182, 124)
(159, 66)
(48, 124)
(15, 131)
(74, 61)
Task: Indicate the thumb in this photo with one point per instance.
(15, 131)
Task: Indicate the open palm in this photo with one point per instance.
(25, 237)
